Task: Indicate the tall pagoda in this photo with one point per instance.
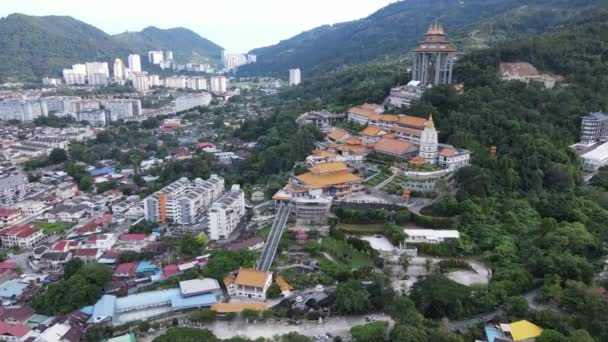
(434, 57)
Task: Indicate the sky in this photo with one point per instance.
(237, 25)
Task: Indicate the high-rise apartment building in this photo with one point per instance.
(119, 69)
(183, 201)
(225, 214)
(187, 102)
(122, 108)
(134, 63)
(295, 76)
(218, 84)
(141, 81)
(155, 57)
(22, 110)
(13, 189)
(594, 128)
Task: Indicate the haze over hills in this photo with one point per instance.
(395, 29)
(32, 47)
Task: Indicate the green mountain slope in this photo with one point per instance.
(32, 47)
(395, 29)
(186, 45)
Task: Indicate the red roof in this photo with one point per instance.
(104, 219)
(170, 124)
(21, 231)
(8, 265)
(205, 144)
(85, 252)
(17, 330)
(170, 270)
(133, 237)
(62, 245)
(166, 129)
(126, 268)
(9, 211)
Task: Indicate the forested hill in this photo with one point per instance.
(395, 29)
(187, 46)
(525, 211)
(32, 47)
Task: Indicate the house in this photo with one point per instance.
(65, 191)
(67, 213)
(65, 245)
(102, 242)
(54, 260)
(9, 216)
(32, 208)
(284, 286)
(86, 230)
(104, 171)
(14, 332)
(22, 236)
(12, 290)
(7, 270)
(170, 270)
(134, 241)
(252, 284)
(125, 270)
(87, 254)
(16, 314)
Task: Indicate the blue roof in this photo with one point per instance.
(108, 170)
(87, 310)
(178, 302)
(146, 299)
(104, 308)
(146, 267)
(491, 333)
(12, 288)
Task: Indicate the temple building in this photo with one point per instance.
(434, 58)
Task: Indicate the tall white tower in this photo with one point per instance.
(295, 76)
(119, 69)
(428, 142)
(134, 63)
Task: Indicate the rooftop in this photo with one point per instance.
(237, 307)
(252, 277)
(321, 181)
(198, 286)
(394, 147)
(524, 330)
(325, 168)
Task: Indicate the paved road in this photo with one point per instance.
(464, 324)
(337, 326)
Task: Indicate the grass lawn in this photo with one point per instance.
(377, 179)
(373, 228)
(394, 184)
(51, 228)
(345, 253)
